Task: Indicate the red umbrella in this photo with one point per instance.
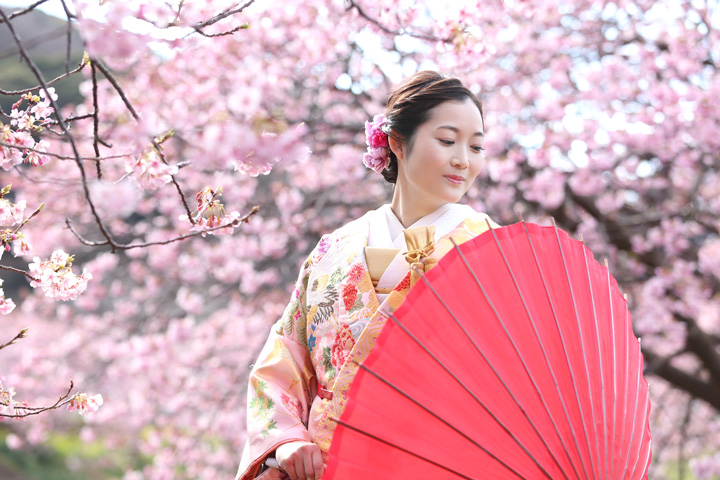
(514, 357)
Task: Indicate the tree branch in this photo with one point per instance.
(22, 12)
(118, 246)
(422, 36)
(694, 386)
(28, 90)
(63, 400)
(22, 272)
(116, 85)
(22, 334)
(62, 124)
(702, 345)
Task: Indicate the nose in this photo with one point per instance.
(460, 159)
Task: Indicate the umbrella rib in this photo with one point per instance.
(582, 342)
(472, 340)
(645, 415)
(613, 425)
(615, 472)
(472, 394)
(567, 361)
(378, 439)
(401, 392)
(635, 412)
(542, 347)
(600, 363)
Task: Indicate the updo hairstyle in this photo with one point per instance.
(409, 105)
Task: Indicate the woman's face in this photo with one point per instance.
(444, 158)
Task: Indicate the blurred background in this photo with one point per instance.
(600, 114)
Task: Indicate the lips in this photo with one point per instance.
(455, 179)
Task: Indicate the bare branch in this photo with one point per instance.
(116, 85)
(65, 157)
(116, 246)
(96, 118)
(28, 90)
(37, 210)
(225, 14)
(244, 26)
(691, 384)
(422, 36)
(68, 34)
(22, 12)
(174, 181)
(63, 400)
(22, 334)
(22, 272)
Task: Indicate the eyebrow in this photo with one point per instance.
(456, 130)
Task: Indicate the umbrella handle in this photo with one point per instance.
(272, 463)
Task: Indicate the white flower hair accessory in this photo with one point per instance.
(378, 152)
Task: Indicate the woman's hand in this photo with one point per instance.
(300, 460)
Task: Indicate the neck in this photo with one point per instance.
(409, 211)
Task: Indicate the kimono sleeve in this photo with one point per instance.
(282, 384)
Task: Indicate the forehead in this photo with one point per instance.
(463, 115)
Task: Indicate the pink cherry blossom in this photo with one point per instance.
(11, 213)
(21, 246)
(84, 403)
(150, 171)
(56, 278)
(6, 304)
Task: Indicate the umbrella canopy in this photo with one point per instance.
(513, 358)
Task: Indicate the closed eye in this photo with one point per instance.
(477, 149)
(446, 142)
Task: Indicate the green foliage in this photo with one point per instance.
(53, 460)
(39, 463)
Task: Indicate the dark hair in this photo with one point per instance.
(409, 105)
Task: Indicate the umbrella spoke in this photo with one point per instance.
(563, 342)
(390, 444)
(624, 402)
(603, 461)
(582, 343)
(472, 394)
(434, 414)
(479, 350)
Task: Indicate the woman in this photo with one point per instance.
(429, 144)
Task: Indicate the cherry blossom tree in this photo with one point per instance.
(164, 219)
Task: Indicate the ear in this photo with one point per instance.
(397, 147)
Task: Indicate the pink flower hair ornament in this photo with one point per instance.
(376, 136)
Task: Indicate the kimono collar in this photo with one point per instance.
(386, 231)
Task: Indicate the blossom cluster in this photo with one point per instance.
(149, 170)
(8, 405)
(56, 278)
(269, 148)
(12, 214)
(18, 146)
(210, 213)
(83, 402)
(6, 304)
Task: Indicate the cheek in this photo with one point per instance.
(476, 167)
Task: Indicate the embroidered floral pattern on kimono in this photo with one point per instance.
(292, 404)
(261, 407)
(342, 346)
(350, 287)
